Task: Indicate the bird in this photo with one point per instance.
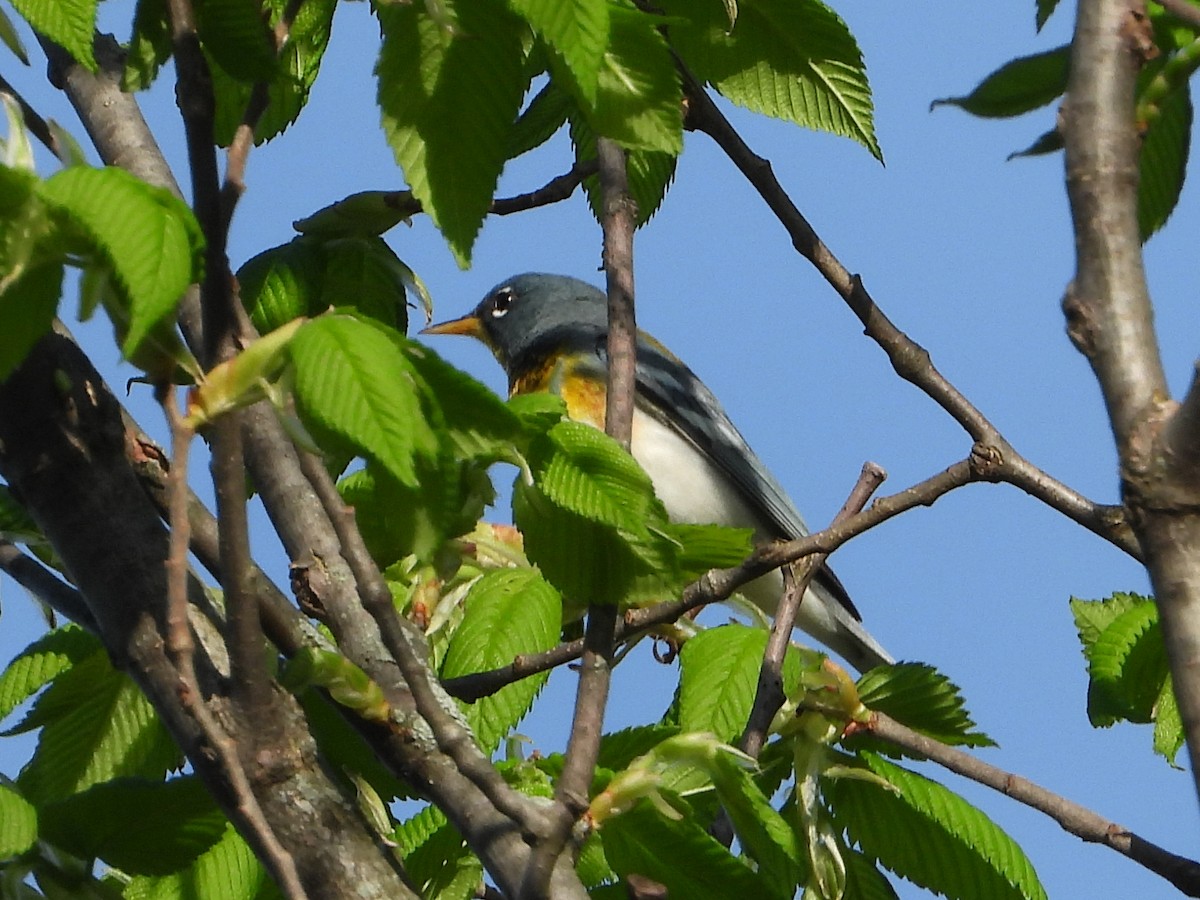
(549, 333)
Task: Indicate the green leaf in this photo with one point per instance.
(344, 748)
(27, 309)
(141, 827)
(39, 663)
(1092, 617)
(931, 836)
(1045, 8)
(96, 726)
(283, 283)
(925, 700)
(576, 29)
(792, 59)
(619, 748)
(354, 383)
(1019, 86)
(365, 273)
(18, 823)
(589, 518)
(650, 173)
(1169, 735)
(10, 38)
(698, 867)
(148, 236)
(638, 99)
(449, 97)
(509, 613)
(1128, 668)
(481, 425)
(234, 33)
(227, 870)
(437, 858)
(763, 833)
(1163, 160)
(149, 47)
(362, 214)
(69, 23)
(540, 121)
(864, 881)
(719, 676)
(295, 71)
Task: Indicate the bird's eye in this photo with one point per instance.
(502, 301)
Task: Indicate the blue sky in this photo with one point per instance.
(965, 251)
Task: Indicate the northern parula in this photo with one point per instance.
(549, 333)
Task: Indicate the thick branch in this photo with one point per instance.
(1110, 318)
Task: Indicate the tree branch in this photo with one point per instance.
(1110, 319)
(911, 361)
(45, 585)
(1075, 819)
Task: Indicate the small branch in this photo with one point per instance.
(555, 190)
(769, 697)
(910, 360)
(45, 585)
(716, 585)
(1075, 819)
(34, 123)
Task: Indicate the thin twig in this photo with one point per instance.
(911, 361)
(1183, 10)
(36, 125)
(45, 585)
(717, 585)
(555, 190)
(1075, 819)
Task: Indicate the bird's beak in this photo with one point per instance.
(470, 325)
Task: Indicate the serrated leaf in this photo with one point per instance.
(931, 836)
(234, 33)
(141, 827)
(282, 283)
(590, 516)
(298, 64)
(27, 309)
(638, 98)
(354, 383)
(147, 235)
(925, 700)
(1128, 667)
(1163, 160)
(10, 38)
(362, 214)
(541, 119)
(96, 726)
(448, 99)
(440, 864)
(1169, 735)
(864, 881)
(69, 23)
(509, 612)
(698, 866)
(149, 47)
(762, 831)
(480, 424)
(1093, 616)
(36, 665)
(792, 59)
(227, 870)
(576, 29)
(1019, 86)
(619, 748)
(650, 173)
(719, 676)
(345, 749)
(18, 823)
(365, 273)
